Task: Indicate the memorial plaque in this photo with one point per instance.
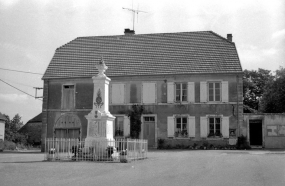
(93, 128)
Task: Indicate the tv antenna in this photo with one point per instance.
(134, 14)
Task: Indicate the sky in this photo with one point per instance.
(31, 30)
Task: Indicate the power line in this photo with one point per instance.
(18, 89)
(21, 71)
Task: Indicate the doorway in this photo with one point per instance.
(149, 130)
(255, 132)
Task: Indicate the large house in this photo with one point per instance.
(190, 84)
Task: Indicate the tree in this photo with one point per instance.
(135, 119)
(254, 83)
(11, 129)
(273, 99)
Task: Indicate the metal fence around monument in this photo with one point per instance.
(117, 150)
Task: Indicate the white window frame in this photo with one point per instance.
(179, 133)
(221, 123)
(122, 129)
(214, 92)
(181, 92)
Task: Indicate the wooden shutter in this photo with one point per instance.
(170, 92)
(225, 91)
(68, 97)
(191, 92)
(225, 126)
(127, 126)
(191, 126)
(170, 126)
(149, 92)
(203, 91)
(203, 127)
(118, 93)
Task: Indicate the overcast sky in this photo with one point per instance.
(31, 30)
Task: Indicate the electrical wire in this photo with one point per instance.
(21, 71)
(19, 89)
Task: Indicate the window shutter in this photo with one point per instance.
(191, 92)
(203, 91)
(225, 91)
(170, 126)
(225, 126)
(170, 92)
(126, 126)
(118, 93)
(191, 126)
(149, 93)
(203, 127)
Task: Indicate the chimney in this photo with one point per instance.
(230, 37)
(129, 32)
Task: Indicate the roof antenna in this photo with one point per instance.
(134, 14)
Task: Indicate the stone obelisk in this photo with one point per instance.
(100, 120)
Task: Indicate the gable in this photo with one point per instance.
(145, 54)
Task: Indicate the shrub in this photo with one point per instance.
(160, 143)
(242, 143)
(9, 145)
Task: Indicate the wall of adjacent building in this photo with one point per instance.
(2, 130)
(273, 128)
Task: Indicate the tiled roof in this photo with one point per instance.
(145, 54)
(37, 118)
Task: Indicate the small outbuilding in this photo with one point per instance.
(265, 130)
(2, 126)
(2, 131)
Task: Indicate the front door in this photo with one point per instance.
(255, 132)
(149, 130)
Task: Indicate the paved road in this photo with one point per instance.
(191, 168)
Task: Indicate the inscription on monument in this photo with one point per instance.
(93, 128)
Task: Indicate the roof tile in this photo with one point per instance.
(145, 54)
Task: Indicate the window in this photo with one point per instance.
(180, 92)
(119, 126)
(215, 127)
(149, 118)
(68, 97)
(215, 91)
(181, 127)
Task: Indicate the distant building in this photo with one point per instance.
(2, 126)
(190, 84)
(33, 130)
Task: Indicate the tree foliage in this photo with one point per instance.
(11, 129)
(273, 99)
(254, 83)
(135, 120)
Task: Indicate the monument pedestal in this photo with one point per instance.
(100, 131)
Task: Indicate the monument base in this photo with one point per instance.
(99, 132)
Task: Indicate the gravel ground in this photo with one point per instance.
(165, 167)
